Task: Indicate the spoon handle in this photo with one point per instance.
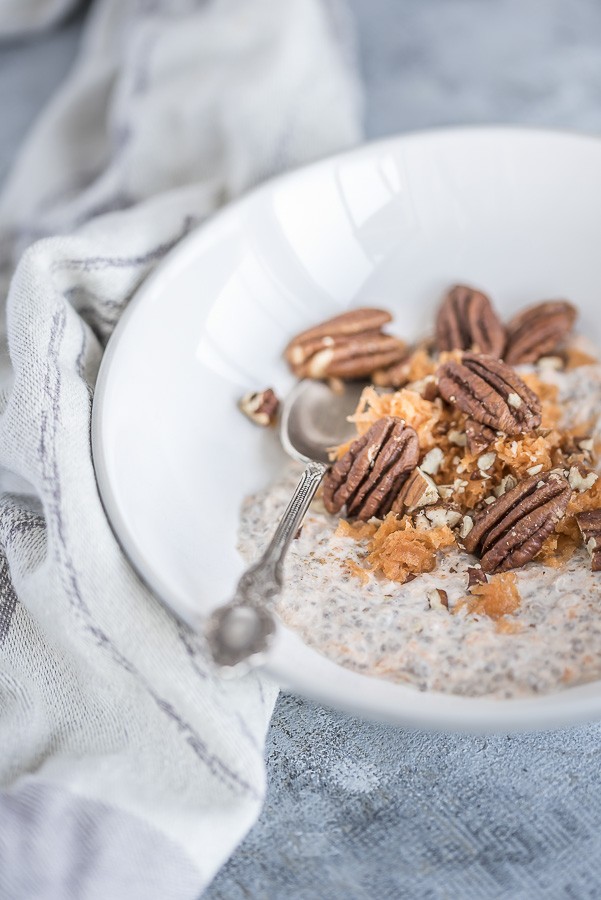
(239, 633)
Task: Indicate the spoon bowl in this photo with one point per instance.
(315, 418)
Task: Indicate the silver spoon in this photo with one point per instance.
(313, 419)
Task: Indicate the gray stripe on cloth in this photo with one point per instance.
(8, 598)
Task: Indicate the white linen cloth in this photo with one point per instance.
(127, 770)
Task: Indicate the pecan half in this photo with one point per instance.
(490, 392)
(467, 321)
(539, 331)
(369, 476)
(351, 345)
(511, 531)
(589, 523)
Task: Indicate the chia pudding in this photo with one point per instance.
(429, 632)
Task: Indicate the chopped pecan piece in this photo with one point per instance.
(419, 490)
(438, 599)
(467, 523)
(511, 531)
(490, 392)
(467, 321)
(539, 331)
(475, 575)
(369, 476)
(261, 407)
(351, 345)
(581, 478)
(589, 523)
(442, 514)
(432, 461)
(478, 436)
(507, 483)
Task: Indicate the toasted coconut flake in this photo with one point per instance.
(421, 414)
(587, 500)
(577, 355)
(399, 551)
(358, 531)
(357, 571)
(557, 550)
(499, 597)
(548, 395)
(421, 364)
(506, 625)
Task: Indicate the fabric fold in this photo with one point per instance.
(110, 720)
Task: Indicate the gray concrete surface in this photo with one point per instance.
(358, 810)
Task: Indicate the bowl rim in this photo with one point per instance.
(448, 712)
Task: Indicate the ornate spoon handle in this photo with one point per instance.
(241, 631)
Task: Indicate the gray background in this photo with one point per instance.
(358, 810)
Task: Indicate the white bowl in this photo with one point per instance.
(515, 211)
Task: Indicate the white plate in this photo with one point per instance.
(391, 224)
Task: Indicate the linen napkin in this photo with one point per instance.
(127, 769)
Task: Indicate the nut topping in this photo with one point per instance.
(478, 436)
(442, 514)
(432, 461)
(511, 531)
(367, 479)
(261, 407)
(467, 321)
(475, 575)
(481, 386)
(419, 490)
(438, 599)
(581, 478)
(539, 331)
(506, 484)
(467, 523)
(590, 527)
(486, 461)
(351, 345)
